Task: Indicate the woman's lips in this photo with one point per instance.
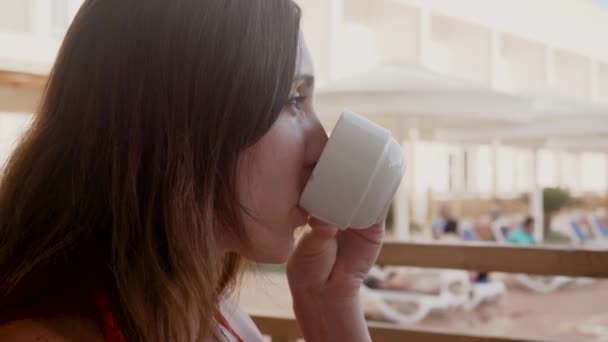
(307, 176)
(304, 215)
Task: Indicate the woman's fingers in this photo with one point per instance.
(373, 234)
(318, 238)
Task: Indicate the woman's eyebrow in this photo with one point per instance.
(308, 79)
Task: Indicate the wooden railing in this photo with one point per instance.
(565, 261)
(285, 329)
(20, 79)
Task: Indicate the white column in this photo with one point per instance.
(413, 137)
(40, 19)
(536, 198)
(559, 174)
(407, 137)
(459, 170)
(578, 172)
(401, 209)
(471, 177)
(321, 23)
(495, 167)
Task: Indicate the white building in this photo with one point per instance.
(552, 47)
(517, 46)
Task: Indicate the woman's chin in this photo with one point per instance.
(274, 259)
(277, 253)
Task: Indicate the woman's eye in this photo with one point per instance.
(297, 100)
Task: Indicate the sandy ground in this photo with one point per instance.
(574, 313)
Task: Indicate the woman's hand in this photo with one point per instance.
(325, 273)
(332, 263)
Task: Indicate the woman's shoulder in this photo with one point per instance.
(240, 321)
(63, 328)
(26, 330)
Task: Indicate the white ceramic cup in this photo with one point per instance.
(357, 175)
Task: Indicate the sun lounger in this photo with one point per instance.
(540, 284)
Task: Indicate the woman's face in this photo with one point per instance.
(274, 171)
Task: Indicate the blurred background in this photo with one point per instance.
(502, 111)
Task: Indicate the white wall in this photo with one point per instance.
(521, 64)
(31, 32)
(27, 53)
(569, 24)
(594, 170)
(484, 169)
(602, 91)
(14, 15)
(546, 169)
(321, 24)
(12, 127)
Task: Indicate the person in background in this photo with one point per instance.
(377, 279)
(450, 232)
(524, 234)
(445, 214)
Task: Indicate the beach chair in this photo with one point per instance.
(391, 304)
(599, 227)
(578, 233)
(540, 284)
(408, 307)
(468, 232)
(500, 231)
(580, 236)
(481, 291)
(460, 292)
(485, 292)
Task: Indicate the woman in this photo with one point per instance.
(173, 141)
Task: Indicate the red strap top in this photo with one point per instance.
(223, 322)
(112, 332)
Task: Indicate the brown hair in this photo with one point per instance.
(128, 172)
